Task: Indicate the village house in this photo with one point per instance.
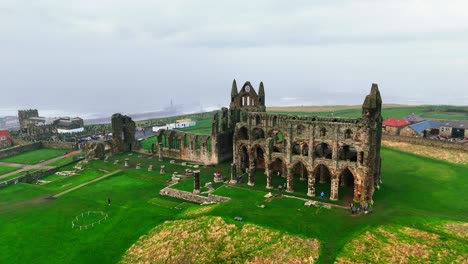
(392, 125)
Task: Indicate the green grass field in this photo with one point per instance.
(427, 112)
(416, 191)
(6, 169)
(35, 156)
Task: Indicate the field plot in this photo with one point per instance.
(35, 156)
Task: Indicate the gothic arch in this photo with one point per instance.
(243, 134)
(323, 151)
(258, 133)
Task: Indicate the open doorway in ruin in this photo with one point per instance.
(300, 175)
(244, 158)
(259, 158)
(347, 186)
(322, 177)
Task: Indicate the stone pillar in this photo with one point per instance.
(233, 173)
(138, 166)
(334, 189)
(251, 174)
(162, 170)
(322, 174)
(150, 168)
(196, 182)
(311, 185)
(160, 151)
(269, 183)
(126, 163)
(289, 181)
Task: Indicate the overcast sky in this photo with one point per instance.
(90, 56)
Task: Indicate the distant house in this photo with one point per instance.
(422, 129)
(5, 139)
(413, 118)
(181, 123)
(392, 125)
(454, 129)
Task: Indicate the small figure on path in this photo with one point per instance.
(108, 201)
(322, 195)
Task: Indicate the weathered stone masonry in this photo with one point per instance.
(338, 150)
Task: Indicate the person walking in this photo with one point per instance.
(322, 195)
(108, 201)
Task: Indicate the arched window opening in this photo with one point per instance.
(243, 134)
(275, 121)
(347, 152)
(348, 134)
(258, 134)
(323, 132)
(324, 151)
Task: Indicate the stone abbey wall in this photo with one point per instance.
(337, 150)
(340, 151)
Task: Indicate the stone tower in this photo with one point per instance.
(123, 133)
(372, 121)
(24, 115)
(245, 100)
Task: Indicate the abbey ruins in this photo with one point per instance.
(340, 151)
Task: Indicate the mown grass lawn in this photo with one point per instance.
(35, 156)
(7, 169)
(415, 191)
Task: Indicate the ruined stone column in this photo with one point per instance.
(251, 174)
(126, 163)
(269, 184)
(311, 185)
(162, 170)
(160, 151)
(334, 189)
(289, 181)
(233, 174)
(150, 168)
(196, 182)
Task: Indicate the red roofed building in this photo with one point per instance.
(5, 139)
(392, 125)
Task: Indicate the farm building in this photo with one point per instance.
(5, 139)
(422, 129)
(454, 129)
(413, 118)
(392, 125)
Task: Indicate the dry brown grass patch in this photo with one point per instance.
(212, 240)
(397, 244)
(453, 156)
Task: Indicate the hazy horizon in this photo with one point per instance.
(88, 57)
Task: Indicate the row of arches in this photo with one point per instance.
(175, 139)
(322, 150)
(258, 133)
(312, 181)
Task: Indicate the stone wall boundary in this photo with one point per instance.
(4, 153)
(188, 196)
(34, 176)
(427, 142)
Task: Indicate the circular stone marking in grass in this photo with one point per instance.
(89, 219)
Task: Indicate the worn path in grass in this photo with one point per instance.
(86, 183)
(41, 165)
